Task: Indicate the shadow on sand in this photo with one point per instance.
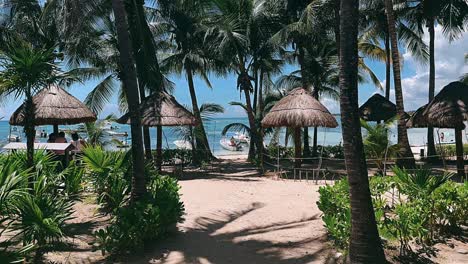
(207, 243)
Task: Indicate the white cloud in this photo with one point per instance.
(110, 109)
(450, 66)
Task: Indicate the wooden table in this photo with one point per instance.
(65, 147)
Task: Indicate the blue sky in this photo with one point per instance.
(450, 66)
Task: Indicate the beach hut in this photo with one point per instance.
(299, 109)
(377, 108)
(448, 109)
(55, 106)
(162, 110)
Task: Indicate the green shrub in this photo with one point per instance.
(425, 205)
(109, 175)
(149, 219)
(451, 204)
(335, 206)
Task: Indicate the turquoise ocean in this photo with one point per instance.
(214, 128)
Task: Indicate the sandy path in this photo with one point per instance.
(236, 217)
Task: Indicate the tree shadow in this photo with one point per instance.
(206, 242)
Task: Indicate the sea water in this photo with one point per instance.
(215, 126)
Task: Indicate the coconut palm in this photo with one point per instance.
(406, 158)
(365, 245)
(452, 16)
(230, 35)
(25, 71)
(375, 31)
(183, 25)
(131, 92)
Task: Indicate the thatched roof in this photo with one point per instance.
(377, 108)
(55, 106)
(418, 119)
(171, 113)
(299, 109)
(450, 106)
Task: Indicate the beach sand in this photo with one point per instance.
(233, 216)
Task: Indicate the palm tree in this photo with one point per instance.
(131, 92)
(452, 16)
(406, 158)
(183, 25)
(365, 245)
(375, 30)
(25, 71)
(233, 25)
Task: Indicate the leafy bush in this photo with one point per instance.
(149, 219)
(334, 152)
(426, 204)
(449, 150)
(34, 202)
(109, 176)
(335, 206)
(172, 156)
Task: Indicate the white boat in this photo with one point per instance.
(226, 144)
(183, 144)
(14, 138)
(242, 138)
(116, 133)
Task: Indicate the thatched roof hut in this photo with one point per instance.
(299, 109)
(377, 108)
(171, 113)
(418, 119)
(55, 106)
(449, 109)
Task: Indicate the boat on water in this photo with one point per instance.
(115, 133)
(228, 145)
(183, 144)
(14, 138)
(242, 138)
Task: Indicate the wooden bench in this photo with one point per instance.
(61, 147)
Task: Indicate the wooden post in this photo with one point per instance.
(56, 129)
(159, 148)
(297, 145)
(459, 151)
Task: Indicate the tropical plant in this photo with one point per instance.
(25, 71)
(147, 220)
(377, 146)
(365, 244)
(109, 176)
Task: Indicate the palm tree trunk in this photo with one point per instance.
(387, 68)
(297, 147)
(406, 158)
(305, 84)
(202, 144)
(365, 244)
(431, 151)
(255, 99)
(336, 28)
(131, 91)
(459, 151)
(159, 141)
(260, 95)
(253, 128)
(30, 134)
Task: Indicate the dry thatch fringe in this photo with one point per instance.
(448, 109)
(377, 108)
(55, 106)
(418, 119)
(299, 109)
(171, 113)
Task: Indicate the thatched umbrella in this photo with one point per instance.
(377, 108)
(162, 110)
(55, 106)
(169, 112)
(418, 119)
(299, 109)
(448, 109)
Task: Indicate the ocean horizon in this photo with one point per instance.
(214, 127)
